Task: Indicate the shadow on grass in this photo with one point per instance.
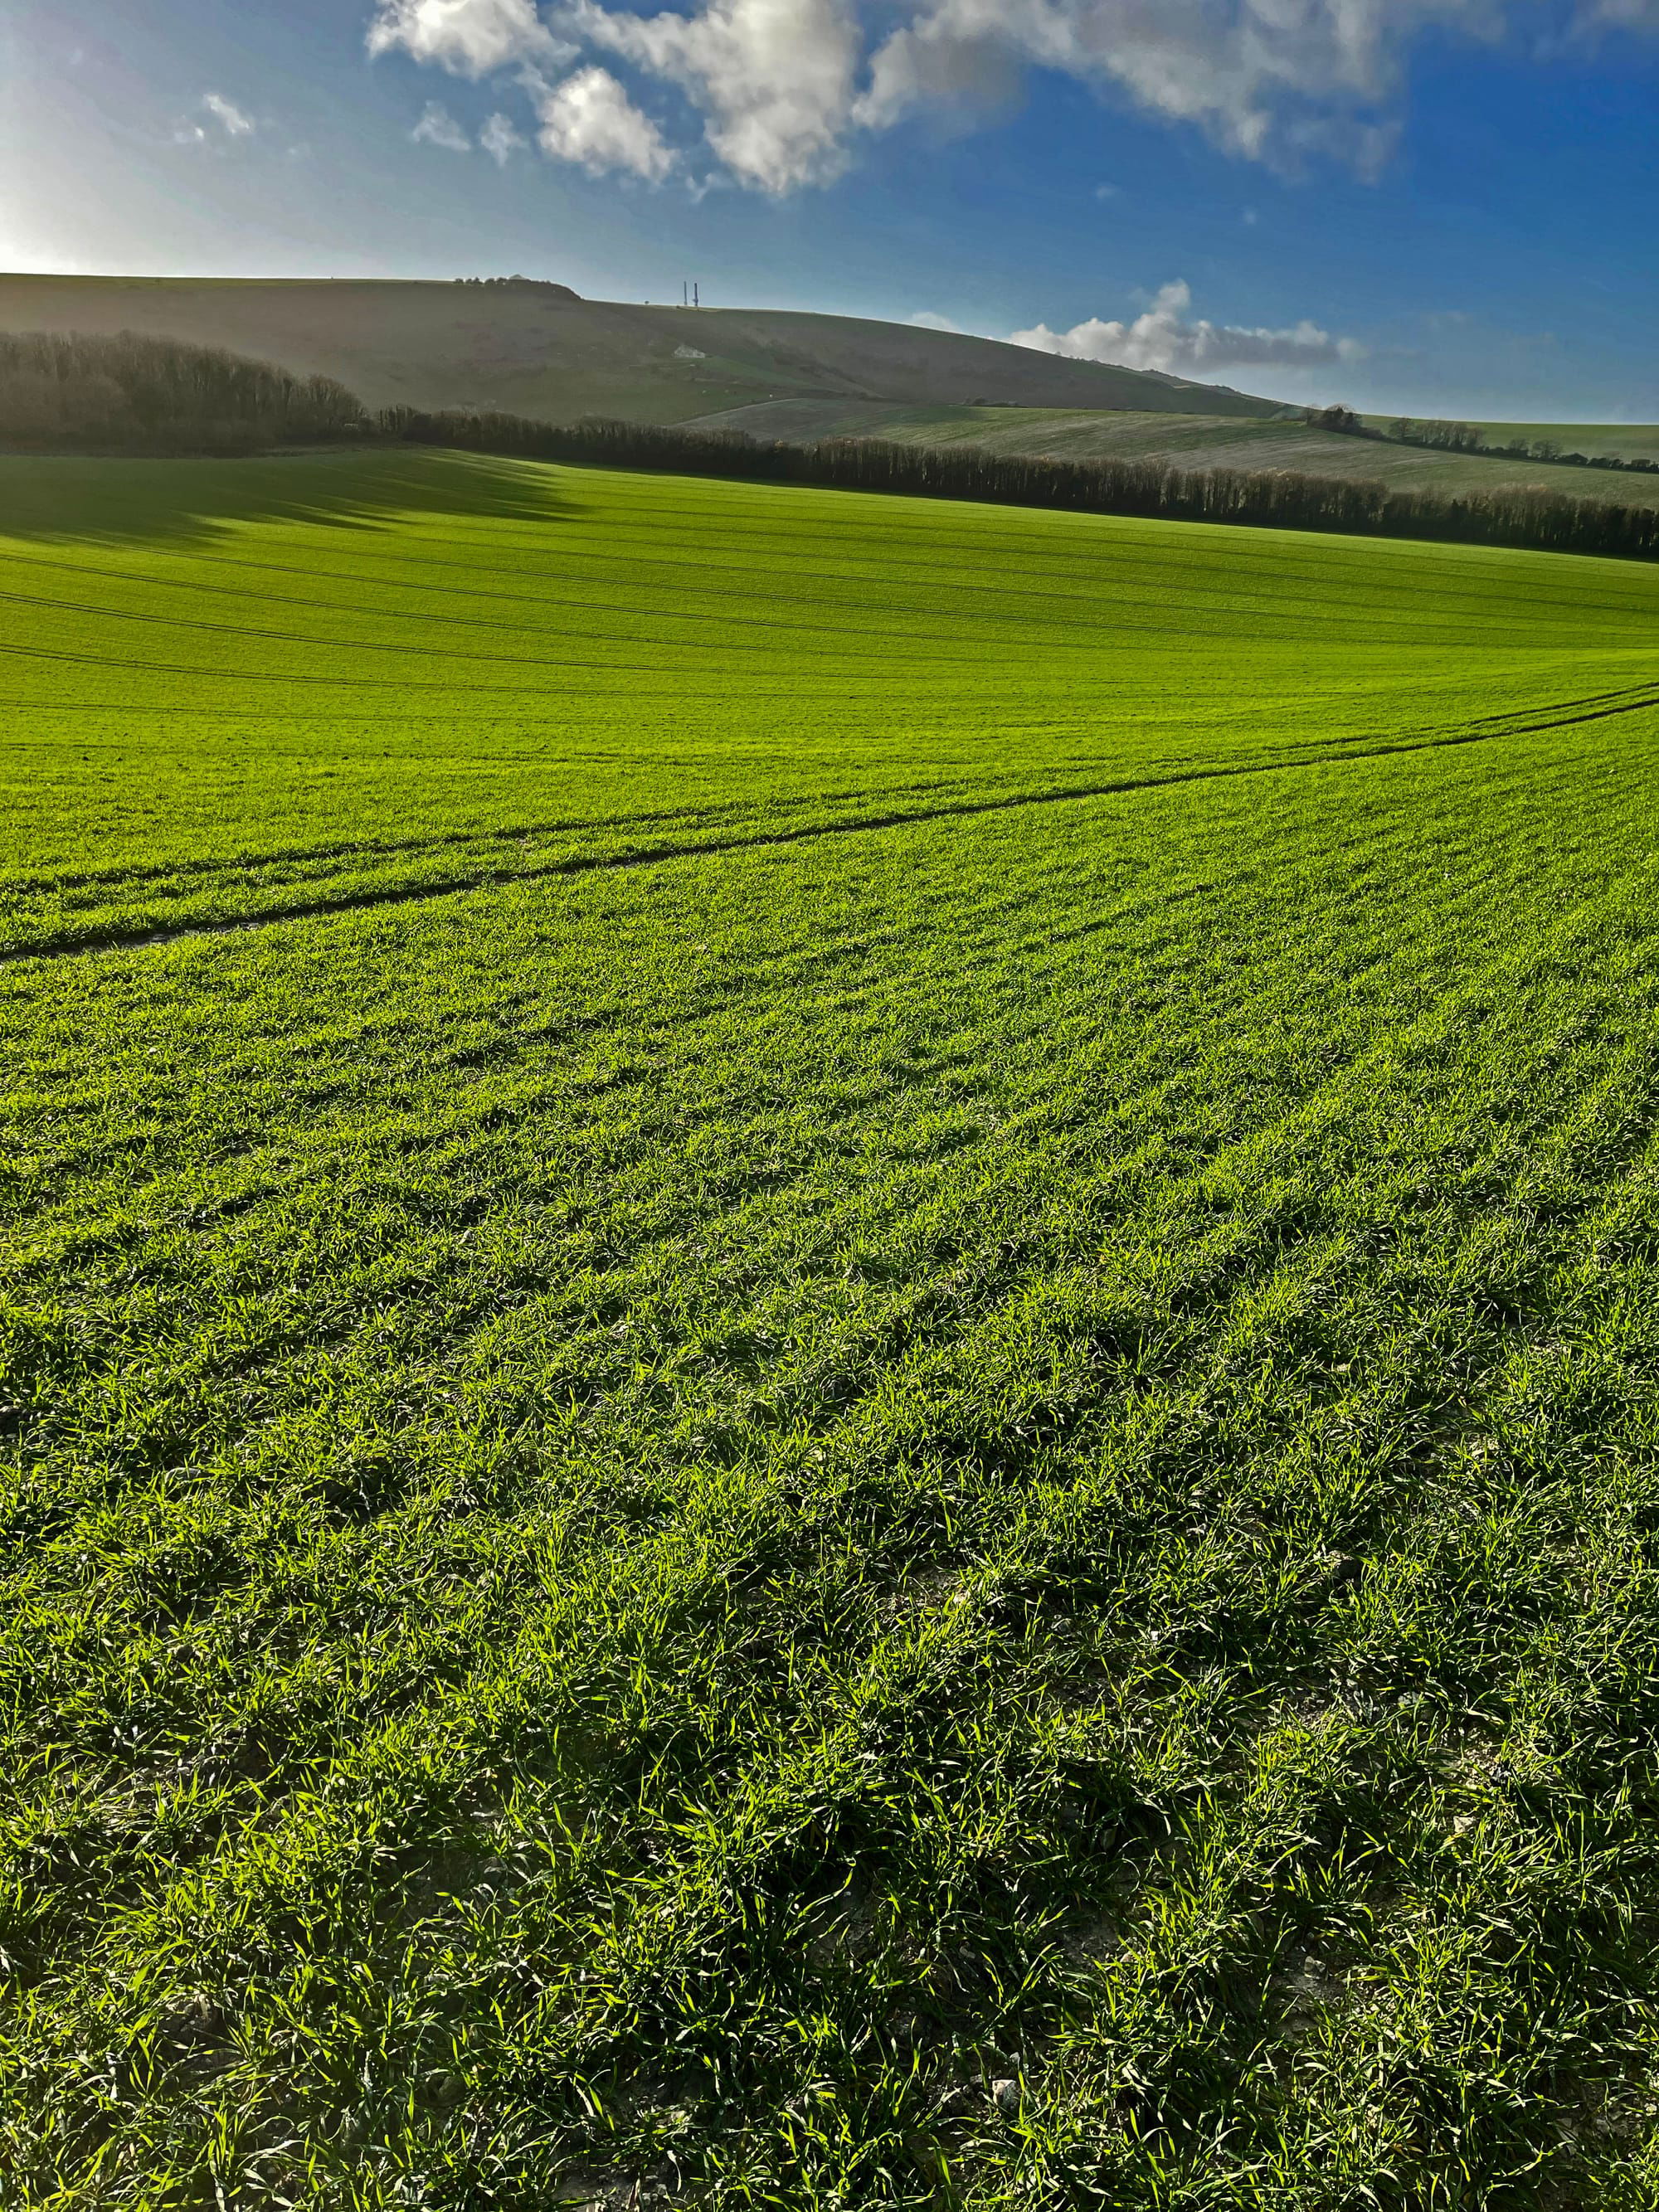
(139, 502)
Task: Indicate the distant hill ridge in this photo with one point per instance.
(536, 348)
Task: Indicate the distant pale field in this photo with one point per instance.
(829, 1353)
(1624, 440)
(1200, 441)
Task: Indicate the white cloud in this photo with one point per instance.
(1239, 69)
(501, 139)
(469, 37)
(928, 320)
(590, 119)
(775, 80)
(1166, 338)
(225, 120)
(438, 127)
(225, 113)
(783, 88)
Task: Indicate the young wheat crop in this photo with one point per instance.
(836, 1386)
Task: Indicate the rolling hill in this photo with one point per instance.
(538, 349)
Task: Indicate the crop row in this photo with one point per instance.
(963, 1513)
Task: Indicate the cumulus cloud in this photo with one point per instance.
(925, 319)
(775, 80)
(590, 119)
(1166, 338)
(501, 139)
(438, 127)
(783, 89)
(469, 37)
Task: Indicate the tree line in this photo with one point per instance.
(1278, 499)
(134, 394)
(517, 284)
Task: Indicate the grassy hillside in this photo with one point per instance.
(1191, 440)
(539, 350)
(868, 1418)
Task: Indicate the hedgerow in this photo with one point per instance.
(1279, 499)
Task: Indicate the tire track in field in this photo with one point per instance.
(63, 947)
(117, 875)
(672, 687)
(944, 657)
(713, 611)
(1266, 600)
(366, 850)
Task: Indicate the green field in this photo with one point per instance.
(866, 1417)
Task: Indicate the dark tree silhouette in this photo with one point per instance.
(133, 394)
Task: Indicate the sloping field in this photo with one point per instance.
(1194, 441)
(1627, 441)
(538, 349)
(867, 1417)
(266, 686)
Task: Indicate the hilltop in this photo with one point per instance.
(537, 349)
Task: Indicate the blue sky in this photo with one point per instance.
(1443, 206)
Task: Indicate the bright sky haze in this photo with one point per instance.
(1439, 206)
